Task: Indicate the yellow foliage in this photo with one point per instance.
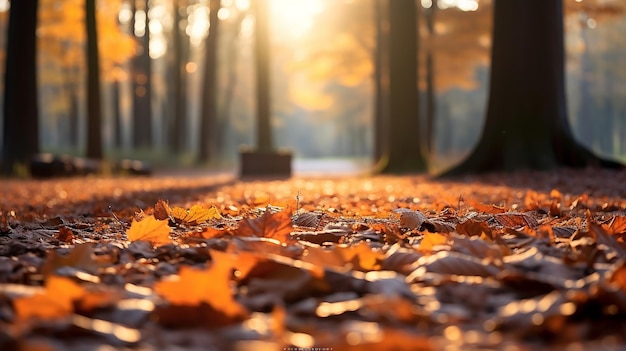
(150, 229)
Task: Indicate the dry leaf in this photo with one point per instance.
(162, 210)
(56, 301)
(197, 214)
(81, 257)
(150, 229)
(481, 207)
(270, 225)
(194, 286)
(474, 228)
(516, 219)
(431, 240)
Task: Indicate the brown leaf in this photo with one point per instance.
(162, 210)
(516, 219)
(65, 235)
(150, 229)
(474, 228)
(270, 225)
(81, 257)
(618, 225)
(481, 207)
(411, 219)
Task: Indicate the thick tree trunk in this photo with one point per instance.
(404, 155)
(526, 125)
(208, 114)
(94, 112)
(142, 84)
(20, 139)
(264, 141)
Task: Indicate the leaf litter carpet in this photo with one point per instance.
(523, 261)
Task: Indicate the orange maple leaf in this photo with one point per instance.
(197, 214)
(194, 286)
(56, 301)
(150, 229)
(270, 225)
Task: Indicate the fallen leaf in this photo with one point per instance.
(270, 225)
(56, 301)
(193, 286)
(81, 257)
(481, 207)
(150, 229)
(474, 228)
(431, 240)
(197, 214)
(516, 219)
(162, 210)
(65, 235)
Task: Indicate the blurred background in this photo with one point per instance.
(323, 71)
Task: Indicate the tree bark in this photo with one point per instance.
(381, 80)
(526, 125)
(404, 153)
(264, 141)
(431, 99)
(142, 84)
(94, 111)
(179, 73)
(20, 139)
(208, 121)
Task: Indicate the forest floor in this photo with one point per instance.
(522, 261)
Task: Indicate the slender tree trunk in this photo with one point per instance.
(179, 74)
(94, 111)
(264, 141)
(142, 84)
(526, 125)
(231, 80)
(117, 115)
(404, 154)
(208, 113)
(20, 139)
(431, 99)
(381, 80)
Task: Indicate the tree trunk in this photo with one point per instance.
(404, 155)
(264, 141)
(431, 99)
(20, 139)
(179, 73)
(381, 80)
(117, 115)
(142, 84)
(208, 114)
(526, 125)
(94, 112)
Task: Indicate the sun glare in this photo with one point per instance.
(295, 17)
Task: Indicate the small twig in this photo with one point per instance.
(116, 218)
